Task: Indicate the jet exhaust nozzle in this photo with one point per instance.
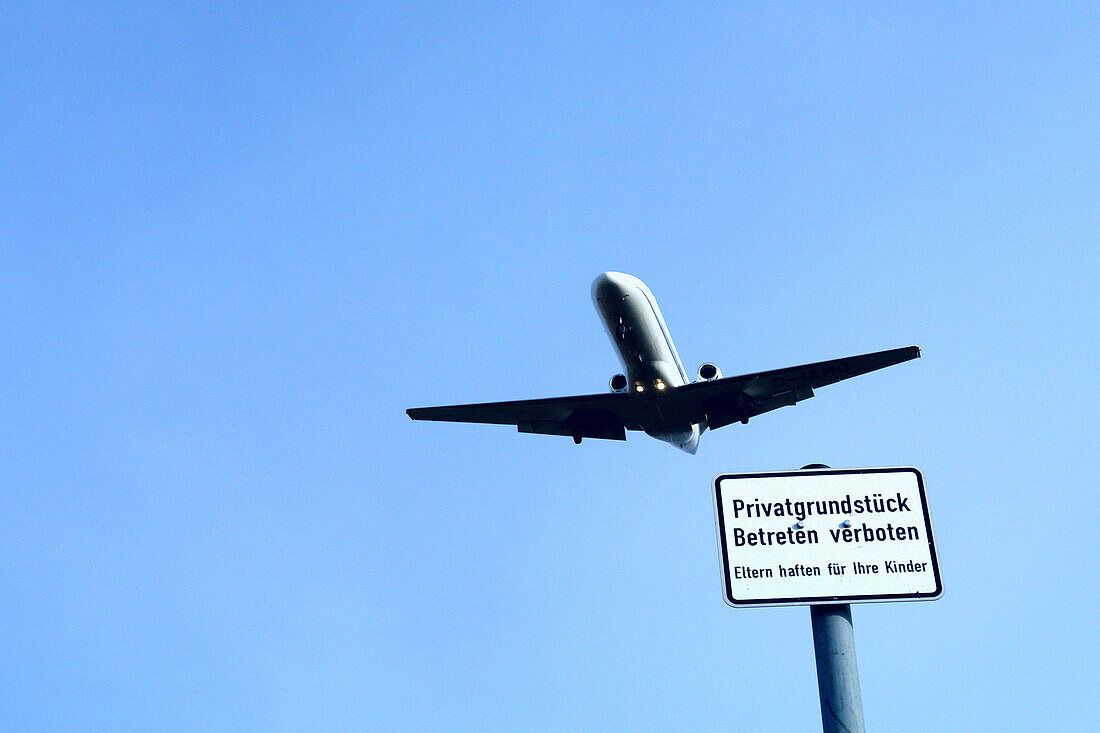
(618, 383)
(708, 373)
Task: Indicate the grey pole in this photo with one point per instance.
(837, 675)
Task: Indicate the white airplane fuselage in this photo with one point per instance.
(640, 336)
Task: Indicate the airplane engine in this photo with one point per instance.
(618, 383)
(708, 373)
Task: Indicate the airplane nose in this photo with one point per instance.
(610, 286)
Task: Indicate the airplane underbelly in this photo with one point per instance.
(646, 345)
(686, 438)
(672, 435)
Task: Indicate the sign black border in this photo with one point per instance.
(816, 600)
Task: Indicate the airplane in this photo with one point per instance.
(655, 394)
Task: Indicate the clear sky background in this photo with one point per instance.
(238, 240)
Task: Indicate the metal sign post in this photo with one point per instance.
(837, 675)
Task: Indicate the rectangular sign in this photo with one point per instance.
(825, 536)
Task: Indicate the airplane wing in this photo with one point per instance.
(715, 403)
(722, 401)
(586, 416)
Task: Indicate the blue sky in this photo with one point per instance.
(237, 242)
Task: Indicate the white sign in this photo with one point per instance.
(825, 536)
